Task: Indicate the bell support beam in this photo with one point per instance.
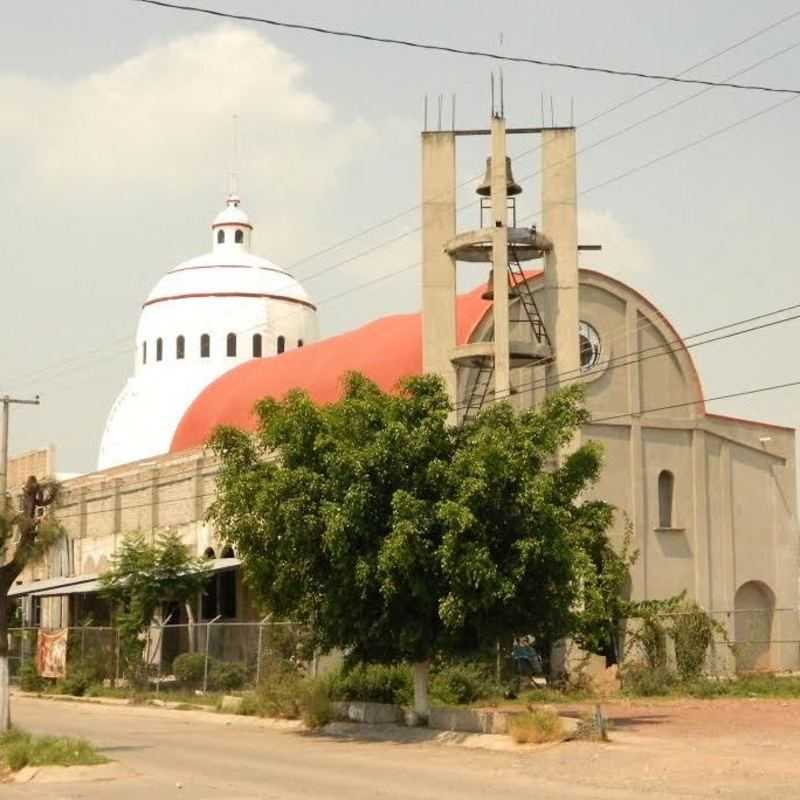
(438, 266)
(560, 226)
(502, 358)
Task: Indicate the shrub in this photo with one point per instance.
(458, 684)
(278, 691)
(315, 703)
(189, 668)
(641, 679)
(29, 678)
(76, 683)
(227, 676)
(693, 632)
(536, 726)
(375, 683)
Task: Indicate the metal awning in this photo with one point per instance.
(89, 584)
(87, 587)
(49, 584)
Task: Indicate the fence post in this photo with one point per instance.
(208, 638)
(258, 653)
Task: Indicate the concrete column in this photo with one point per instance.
(502, 359)
(560, 226)
(703, 577)
(438, 268)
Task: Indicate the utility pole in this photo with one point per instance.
(7, 402)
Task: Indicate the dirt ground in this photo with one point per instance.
(694, 748)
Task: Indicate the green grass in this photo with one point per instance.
(184, 696)
(19, 749)
(765, 686)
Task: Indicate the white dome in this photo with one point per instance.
(203, 318)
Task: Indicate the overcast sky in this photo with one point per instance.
(115, 131)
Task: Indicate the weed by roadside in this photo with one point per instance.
(19, 749)
(536, 726)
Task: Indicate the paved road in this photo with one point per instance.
(211, 759)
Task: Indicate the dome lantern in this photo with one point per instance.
(232, 226)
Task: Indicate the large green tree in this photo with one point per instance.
(396, 536)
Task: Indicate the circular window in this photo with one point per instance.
(590, 346)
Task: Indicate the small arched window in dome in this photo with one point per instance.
(238, 237)
(299, 342)
(144, 352)
(230, 345)
(159, 349)
(205, 346)
(227, 552)
(180, 348)
(281, 344)
(220, 236)
(257, 345)
(209, 553)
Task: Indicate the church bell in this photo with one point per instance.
(488, 293)
(512, 187)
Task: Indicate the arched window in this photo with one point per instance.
(227, 552)
(159, 349)
(144, 352)
(209, 553)
(238, 237)
(180, 348)
(281, 344)
(257, 344)
(299, 342)
(666, 489)
(220, 236)
(205, 346)
(230, 345)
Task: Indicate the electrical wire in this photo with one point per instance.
(465, 52)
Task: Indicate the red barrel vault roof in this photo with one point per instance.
(385, 350)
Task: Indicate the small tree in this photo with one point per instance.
(395, 536)
(144, 575)
(24, 538)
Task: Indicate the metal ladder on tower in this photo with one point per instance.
(478, 393)
(526, 299)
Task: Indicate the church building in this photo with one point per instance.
(711, 499)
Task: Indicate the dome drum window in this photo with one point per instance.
(238, 237)
(257, 345)
(281, 344)
(159, 349)
(180, 348)
(220, 236)
(230, 345)
(205, 346)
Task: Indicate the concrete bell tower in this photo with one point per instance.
(552, 343)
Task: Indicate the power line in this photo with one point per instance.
(728, 396)
(539, 62)
(630, 356)
(592, 421)
(576, 375)
(582, 125)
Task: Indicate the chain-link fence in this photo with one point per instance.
(103, 654)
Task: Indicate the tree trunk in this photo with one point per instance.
(5, 700)
(421, 705)
(190, 627)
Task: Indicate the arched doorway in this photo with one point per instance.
(754, 605)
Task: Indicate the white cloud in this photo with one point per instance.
(168, 111)
(623, 256)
